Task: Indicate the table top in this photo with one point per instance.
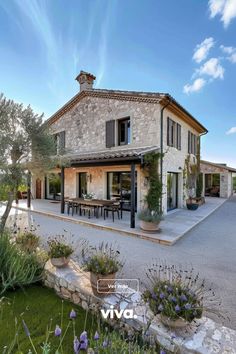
(92, 202)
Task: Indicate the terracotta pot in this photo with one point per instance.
(149, 226)
(102, 284)
(60, 262)
(192, 206)
(178, 323)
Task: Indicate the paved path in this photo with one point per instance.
(210, 247)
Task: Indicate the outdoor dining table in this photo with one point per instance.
(96, 203)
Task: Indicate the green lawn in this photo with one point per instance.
(39, 306)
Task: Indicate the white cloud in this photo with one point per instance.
(196, 86)
(212, 68)
(201, 51)
(231, 51)
(226, 9)
(231, 131)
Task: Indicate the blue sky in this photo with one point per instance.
(186, 48)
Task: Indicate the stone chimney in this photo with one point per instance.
(85, 80)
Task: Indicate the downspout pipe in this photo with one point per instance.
(162, 150)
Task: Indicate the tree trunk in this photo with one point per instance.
(6, 212)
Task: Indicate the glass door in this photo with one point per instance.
(119, 187)
(82, 184)
(172, 191)
(53, 186)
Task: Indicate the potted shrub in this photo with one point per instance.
(151, 215)
(103, 263)
(59, 253)
(175, 295)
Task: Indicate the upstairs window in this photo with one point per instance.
(173, 134)
(192, 143)
(124, 131)
(60, 142)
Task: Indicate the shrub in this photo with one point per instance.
(27, 241)
(102, 260)
(176, 293)
(58, 249)
(148, 216)
(17, 268)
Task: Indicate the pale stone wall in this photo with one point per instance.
(174, 159)
(85, 131)
(85, 123)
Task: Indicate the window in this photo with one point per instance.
(192, 143)
(60, 142)
(124, 131)
(173, 134)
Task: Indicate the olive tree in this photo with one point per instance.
(25, 145)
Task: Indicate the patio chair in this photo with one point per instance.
(73, 206)
(113, 208)
(86, 209)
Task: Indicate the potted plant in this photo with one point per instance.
(59, 253)
(191, 202)
(151, 215)
(175, 295)
(103, 263)
(88, 196)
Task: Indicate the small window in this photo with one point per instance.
(59, 139)
(173, 134)
(192, 143)
(124, 131)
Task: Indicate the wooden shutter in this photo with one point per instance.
(178, 136)
(110, 133)
(189, 142)
(62, 141)
(168, 131)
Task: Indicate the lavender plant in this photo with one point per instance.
(102, 259)
(177, 293)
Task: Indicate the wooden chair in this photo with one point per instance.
(113, 208)
(86, 209)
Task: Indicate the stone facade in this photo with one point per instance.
(84, 126)
(203, 337)
(226, 177)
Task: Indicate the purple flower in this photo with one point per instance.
(83, 340)
(162, 295)
(27, 332)
(105, 343)
(72, 314)
(57, 331)
(76, 345)
(170, 289)
(187, 306)
(183, 297)
(154, 296)
(162, 351)
(96, 336)
(173, 299)
(177, 308)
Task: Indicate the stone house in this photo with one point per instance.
(217, 179)
(105, 135)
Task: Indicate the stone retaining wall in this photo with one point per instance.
(203, 337)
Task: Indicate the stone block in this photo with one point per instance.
(76, 298)
(65, 293)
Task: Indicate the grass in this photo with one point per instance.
(39, 307)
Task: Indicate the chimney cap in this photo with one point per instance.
(88, 76)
